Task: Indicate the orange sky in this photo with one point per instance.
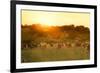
(55, 18)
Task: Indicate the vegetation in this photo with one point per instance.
(54, 43)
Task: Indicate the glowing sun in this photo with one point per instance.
(45, 21)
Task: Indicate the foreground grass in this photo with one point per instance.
(64, 54)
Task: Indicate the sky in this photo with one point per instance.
(50, 18)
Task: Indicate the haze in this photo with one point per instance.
(50, 18)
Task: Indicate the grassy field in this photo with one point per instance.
(55, 43)
(42, 55)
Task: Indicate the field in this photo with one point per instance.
(59, 43)
(42, 55)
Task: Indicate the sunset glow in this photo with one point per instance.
(54, 36)
(46, 18)
(45, 21)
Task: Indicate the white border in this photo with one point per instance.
(20, 65)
